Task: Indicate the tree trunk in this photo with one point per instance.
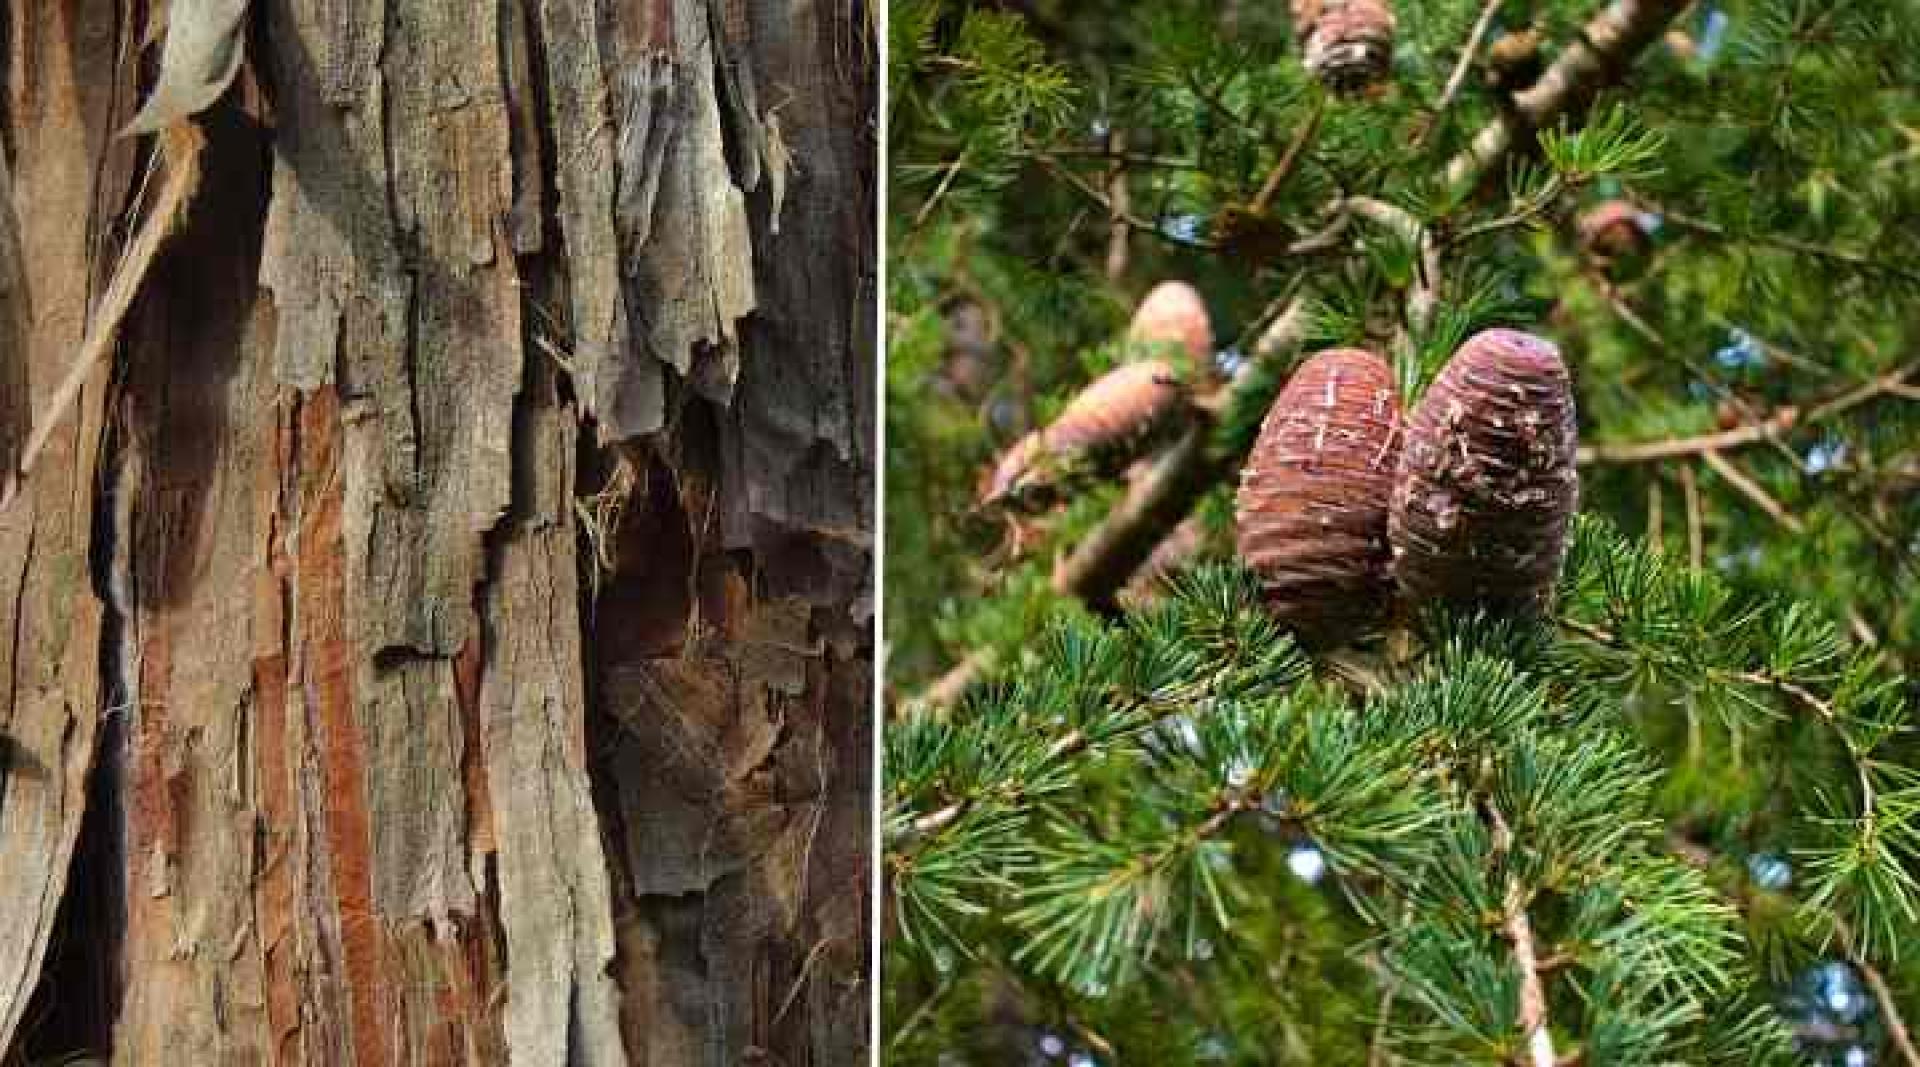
(440, 633)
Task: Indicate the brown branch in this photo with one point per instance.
(1899, 1033)
(1117, 213)
(1116, 548)
(1423, 296)
(1696, 521)
(1289, 160)
(950, 688)
(1377, 1054)
(1782, 243)
(1533, 988)
(940, 191)
(1459, 76)
(1673, 448)
(1603, 50)
(1753, 433)
(1753, 491)
(1518, 928)
(1119, 235)
(1828, 715)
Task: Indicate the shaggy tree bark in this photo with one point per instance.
(440, 633)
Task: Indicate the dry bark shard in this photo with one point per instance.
(204, 46)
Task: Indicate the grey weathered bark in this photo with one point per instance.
(441, 636)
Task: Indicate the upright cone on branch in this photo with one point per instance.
(1614, 234)
(1487, 483)
(1312, 507)
(1514, 61)
(1347, 44)
(1174, 313)
(1122, 414)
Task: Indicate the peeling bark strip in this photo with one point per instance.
(562, 1004)
(367, 777)
(60, 88)
(16, 320)
(387, 266)
(648, 186)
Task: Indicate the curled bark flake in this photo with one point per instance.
(204, 46)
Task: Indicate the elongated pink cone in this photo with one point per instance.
(1487, 482)
(1174, 313)
(1121, 415)
(1347, 44)
(1312, 507)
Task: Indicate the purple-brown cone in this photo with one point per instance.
(1487, 482)
(1347, 44)
(1312, 508)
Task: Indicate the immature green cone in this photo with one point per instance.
(1487, 483)
(1312, 507)
(1347, 44)
(1121, 415)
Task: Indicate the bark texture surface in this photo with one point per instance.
(442, 635)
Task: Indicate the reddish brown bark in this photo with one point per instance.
(390, 782)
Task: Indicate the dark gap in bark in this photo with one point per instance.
(78, 996)
(108, 231)
(731, 150)
(545, 281)
(77, 1002)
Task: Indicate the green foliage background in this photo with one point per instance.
(1783, 159)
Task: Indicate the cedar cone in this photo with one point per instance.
(1312, 508)
(1174, 313)
(1122, 414)
(1514, 61)
(1487, 484)
(1612, 231)
(1347, 44)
